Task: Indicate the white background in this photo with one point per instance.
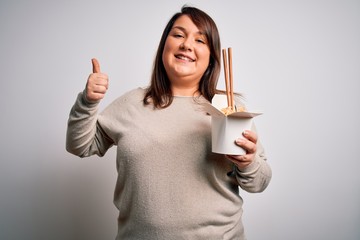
(298, 61)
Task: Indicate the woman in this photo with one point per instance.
(170, 185)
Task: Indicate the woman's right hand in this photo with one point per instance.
(97, 83)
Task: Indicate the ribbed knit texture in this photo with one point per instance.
(170, 185)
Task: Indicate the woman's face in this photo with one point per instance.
(186, 54)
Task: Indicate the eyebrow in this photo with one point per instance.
(184, 30)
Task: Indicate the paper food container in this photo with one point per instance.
(226, 129)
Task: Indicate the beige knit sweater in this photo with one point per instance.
(170, 185)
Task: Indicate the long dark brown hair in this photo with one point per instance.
(159, 92)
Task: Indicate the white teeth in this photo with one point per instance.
(184, 58)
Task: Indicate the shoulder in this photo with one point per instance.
(133, 96)
(130, 98)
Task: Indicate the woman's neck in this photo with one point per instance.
(185, 91)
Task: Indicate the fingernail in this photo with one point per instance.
(245, 132)
(239, 141)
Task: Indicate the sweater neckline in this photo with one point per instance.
(179, 96)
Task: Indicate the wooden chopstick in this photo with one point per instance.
(228, 79)
(226, 73)
(231, 87)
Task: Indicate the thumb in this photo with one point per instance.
(95, 65)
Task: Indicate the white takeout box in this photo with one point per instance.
(226, 129)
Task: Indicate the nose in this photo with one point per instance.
(186, 45)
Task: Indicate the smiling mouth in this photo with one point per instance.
(183, 57)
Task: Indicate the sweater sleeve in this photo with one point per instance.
(85, 136)
(256, 177)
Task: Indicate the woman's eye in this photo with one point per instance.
(200, 41)
(178, 35)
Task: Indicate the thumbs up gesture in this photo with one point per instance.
(97, 83)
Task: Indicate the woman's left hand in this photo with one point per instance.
(248, 143)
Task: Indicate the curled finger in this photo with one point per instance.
(250, 135)
(247, 145)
